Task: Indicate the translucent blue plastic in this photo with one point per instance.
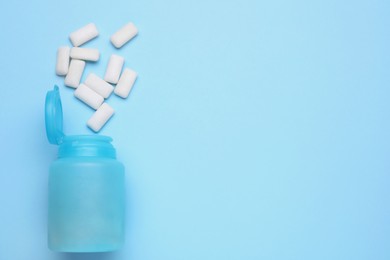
(54, 116)
(86, 189)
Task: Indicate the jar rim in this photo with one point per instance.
(86, 146)
(71, 138)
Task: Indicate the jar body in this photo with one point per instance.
(86, 204)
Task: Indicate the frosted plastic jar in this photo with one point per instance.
(86, 189)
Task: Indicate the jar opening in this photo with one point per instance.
(86, 145)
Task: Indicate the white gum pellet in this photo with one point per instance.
(100, 117)
(76, 69)
(125, 34)
(83, 35)
(98, 85)
(88, 96)
(114, 69)
(62, 64)
(84, 54)
(125, 83)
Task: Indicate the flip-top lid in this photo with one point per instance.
(54, 116)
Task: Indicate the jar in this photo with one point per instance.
(86, 189)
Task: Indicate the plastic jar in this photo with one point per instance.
(86, 189)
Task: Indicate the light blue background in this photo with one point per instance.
(256, 129)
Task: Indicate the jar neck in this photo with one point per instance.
(86, 146)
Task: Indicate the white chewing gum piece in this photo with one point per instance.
(88, 96)
(83, 35)
(99, 85)
(75, 72)
(100, 117)
(125, 83)
(123, 35)
(62, 65)
(86, 54)
(114, 69)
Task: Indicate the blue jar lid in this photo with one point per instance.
(54, 116)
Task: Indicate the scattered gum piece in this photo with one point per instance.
(114, 69)
(88, 96)
(100, 117)
(62, 64)
(125, 83)
(123, 35)
(84, 54)
(76, 69)
(84, 34)
(99, 85)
